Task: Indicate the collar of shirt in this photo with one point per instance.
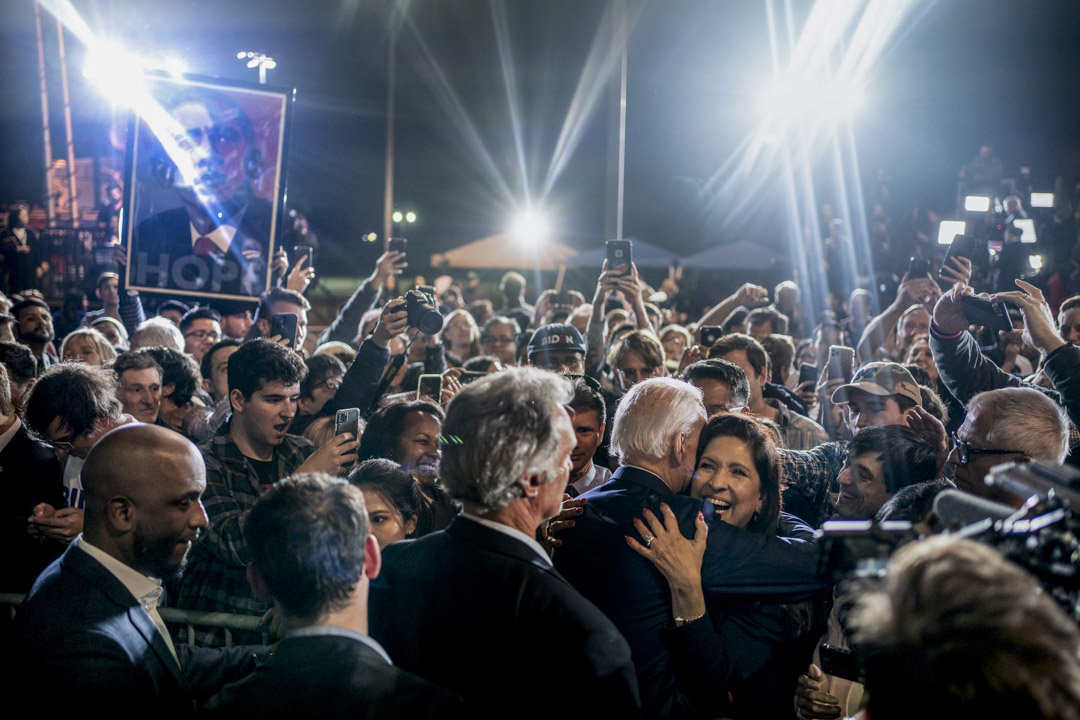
(511, 532)
(146, 590)
(333, 630)
(594, 478)
(10, 433)
(221, 236)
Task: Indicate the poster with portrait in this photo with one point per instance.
(205, 186)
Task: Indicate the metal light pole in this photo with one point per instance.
(67, 124)
(50, 201)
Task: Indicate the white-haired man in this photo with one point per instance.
(484, 587)
(656, 437)
(1006, 425)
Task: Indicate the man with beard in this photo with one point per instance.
(34, 329)
(90, 623)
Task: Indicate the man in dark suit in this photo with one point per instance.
(478, 608)
(655, 435)
(30, 475)
(312, 558)
(90, 624)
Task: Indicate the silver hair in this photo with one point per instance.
(500, 429)
(1026, 420)
(652, 415)
(157, 332)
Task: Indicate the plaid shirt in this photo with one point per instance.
(797, 431)
(216, 577)
(808, 478)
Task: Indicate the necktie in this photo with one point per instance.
(205, 246)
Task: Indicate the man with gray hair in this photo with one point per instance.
(1006, 425)
(656, 438)
(486, 586)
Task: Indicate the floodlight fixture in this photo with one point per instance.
(1027, 229)
(950, 229)
(410, 217)
(397, 216)
(1036, 262)
(1042, 200)
(976, 203)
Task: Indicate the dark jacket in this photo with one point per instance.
(594, 557)
(29, 474)
(483, 615)
(332, 676)
(85, 644)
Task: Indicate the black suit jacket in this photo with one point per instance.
(627, 587)
(332, 676)
(481, 614)
(161, 254)
(29, 474)
(80, 631)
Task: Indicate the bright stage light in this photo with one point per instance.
(950, 229)
(811, 101)
(397, 216)
(176, 67)
(1027, 229)
(410, 217)
(117, 73)
(976, 203)
(530, 228)
(1042, 200)
(1036, 262)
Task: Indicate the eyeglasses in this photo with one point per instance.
(965, 451)
(332, 384)
(496, 340)
(204, 335)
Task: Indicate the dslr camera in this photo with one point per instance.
(423, 311)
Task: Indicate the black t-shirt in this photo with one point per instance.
(267, 470)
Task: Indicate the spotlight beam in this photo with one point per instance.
(506, 63)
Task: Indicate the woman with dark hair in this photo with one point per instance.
(391, 497)
(408, 434)
(742, 659)
(23, 255)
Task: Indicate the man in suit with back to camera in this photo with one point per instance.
(656, 437)
(89, 636)
(312, 558)
(478, 607)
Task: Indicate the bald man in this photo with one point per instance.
(90, 623)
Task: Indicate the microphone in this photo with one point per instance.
(958, 508)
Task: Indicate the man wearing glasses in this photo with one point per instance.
(1006, 425)
(201, 328)
(71, 407)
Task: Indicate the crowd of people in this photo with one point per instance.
(446, 504)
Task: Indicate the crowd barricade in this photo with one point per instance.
(175, 618)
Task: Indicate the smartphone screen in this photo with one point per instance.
(430, 387)
(396, 244)
(285, 325)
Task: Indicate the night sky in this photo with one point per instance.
(959, 73)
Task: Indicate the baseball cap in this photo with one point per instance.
(881, 378)
(556, 336)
